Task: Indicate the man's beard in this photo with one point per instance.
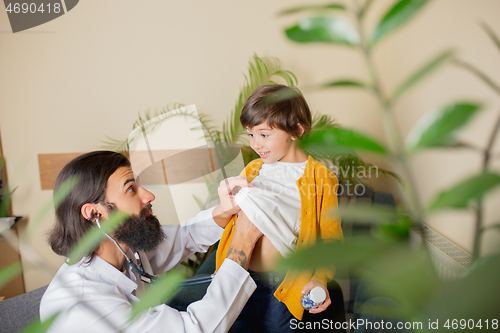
(141, 233)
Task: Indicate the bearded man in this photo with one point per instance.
(96, 294)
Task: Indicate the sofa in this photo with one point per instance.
(18, 312)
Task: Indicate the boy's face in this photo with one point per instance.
(272, 144)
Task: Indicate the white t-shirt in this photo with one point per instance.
(273, 204)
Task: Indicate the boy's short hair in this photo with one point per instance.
(280, 106)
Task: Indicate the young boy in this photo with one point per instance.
(289, 203)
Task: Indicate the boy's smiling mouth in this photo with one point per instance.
(264, 155)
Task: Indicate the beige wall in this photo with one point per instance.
(67, 84)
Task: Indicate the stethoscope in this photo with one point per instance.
(145, 276)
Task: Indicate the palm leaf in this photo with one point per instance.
(319, 8)
(260, 72)
(122, 146)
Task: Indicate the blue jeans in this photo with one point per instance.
(263, 312)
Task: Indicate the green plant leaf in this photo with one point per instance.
(56, 200)
(158, 292)
(5, 203)
(491, 33)
(364, 9)
(394, 231)
(331, 6)
(344, 163)
(491, 227)
(462, 194)
(322, 121)
(398, 15)
(39, 327)
(6, 198)
(361, 213)
(344, 84)
(9, 272)
(324, 29)
(406, 275)
(339, 141)
(422, 72)
(436, 129)
(479, 74)
(394, 269)
(95, 236)
(356, 252)
(478, 287)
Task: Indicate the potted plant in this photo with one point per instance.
(6, 221)
(393, 267)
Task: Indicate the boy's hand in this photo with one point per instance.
(227, 207)
(315, 283)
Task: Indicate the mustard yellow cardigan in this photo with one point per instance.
(318, 196)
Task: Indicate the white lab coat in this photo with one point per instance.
(97, 297)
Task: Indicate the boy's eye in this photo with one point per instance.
(250, 134)
(265, 135)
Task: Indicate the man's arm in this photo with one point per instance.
(245, 236)
(226, 296)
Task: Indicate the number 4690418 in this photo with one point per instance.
(470, 324)
(33, 8)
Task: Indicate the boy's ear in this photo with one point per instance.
(301, 129)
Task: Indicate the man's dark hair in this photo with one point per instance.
(282, 107)
(91, 172)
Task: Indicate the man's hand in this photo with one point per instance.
(245, 236)
(227, 207)
(315, 283)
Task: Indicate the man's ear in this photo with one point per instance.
(88, 211)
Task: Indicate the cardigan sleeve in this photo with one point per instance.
(329, 225)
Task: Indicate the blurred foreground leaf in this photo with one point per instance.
(356, 252)
(422, 72)
(9, 272)
(95, 236)
(7, 194)
(406, 275)
(5, 203)
(361, 213)
(58, 197)
(398, 15)
(436, 129)
(39, 327)
(461, 195)
(471, 299)
(331, 6)
(394, 231)
(492, 34)
(339, 141)
(333, 30)
(158, 292)
(492, 227)
(391, 269)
